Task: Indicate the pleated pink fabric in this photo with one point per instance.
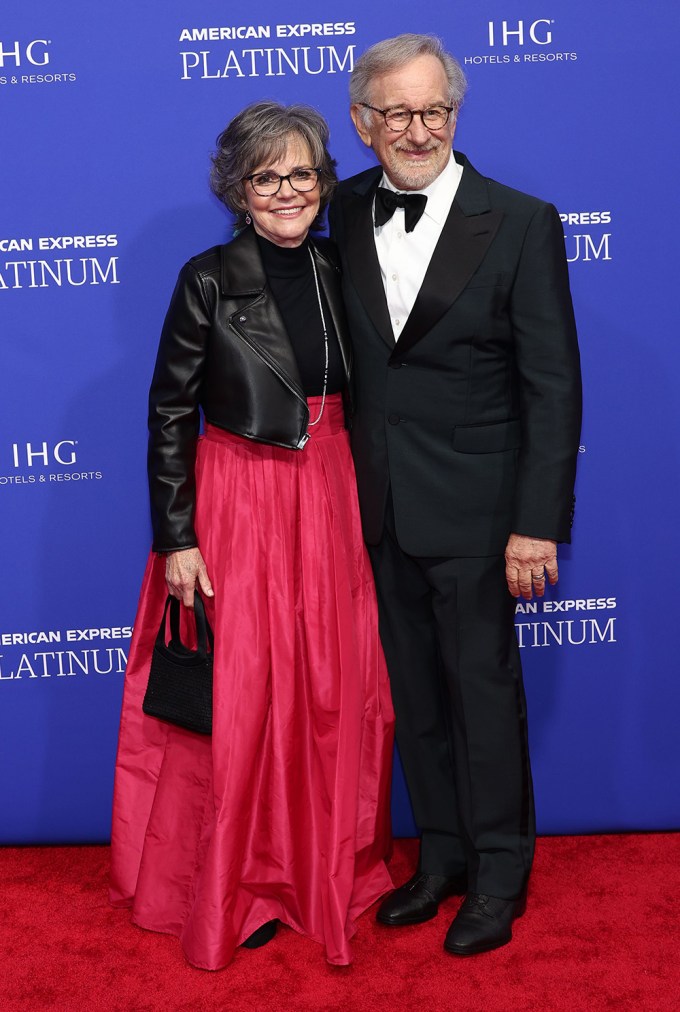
(284, 812)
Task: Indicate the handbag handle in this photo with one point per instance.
(204, 634)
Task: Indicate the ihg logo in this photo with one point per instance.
(506, 32)
(30, 455)
(35, 53)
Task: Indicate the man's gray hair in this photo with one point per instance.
(391, 54)
(259, 135)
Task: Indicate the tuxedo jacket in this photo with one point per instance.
(472, 418)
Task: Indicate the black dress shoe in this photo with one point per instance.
(418, 899)
(483, 923)
(260, 936)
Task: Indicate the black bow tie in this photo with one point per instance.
(387, 201)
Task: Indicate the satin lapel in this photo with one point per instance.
(329, 279)
(254, 315)
(457, 255)
(363, 260)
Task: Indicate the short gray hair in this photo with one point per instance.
(391, 54)
(260, 134)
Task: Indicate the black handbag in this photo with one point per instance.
(180, 679)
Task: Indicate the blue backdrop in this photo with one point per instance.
(108, 116)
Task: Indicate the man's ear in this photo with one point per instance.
(355, 112)
(453, 122)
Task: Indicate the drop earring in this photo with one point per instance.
(249, 220)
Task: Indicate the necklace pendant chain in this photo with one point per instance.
(325, 342)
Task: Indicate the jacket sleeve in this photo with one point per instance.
(174, 414)
(547, 359)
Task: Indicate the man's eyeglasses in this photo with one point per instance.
(268, 183)
(398, 119)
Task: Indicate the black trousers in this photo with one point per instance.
(447, 627)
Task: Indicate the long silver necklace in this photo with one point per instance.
(325, 342)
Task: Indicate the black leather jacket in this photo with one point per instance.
(224, 350)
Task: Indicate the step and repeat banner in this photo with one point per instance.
(108, 115)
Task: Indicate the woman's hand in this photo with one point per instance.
(182, 570)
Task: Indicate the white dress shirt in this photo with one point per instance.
(405, 256)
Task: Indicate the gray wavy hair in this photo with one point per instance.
(391, 54)
(259, 135)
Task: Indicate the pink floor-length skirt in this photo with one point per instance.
(284, 812)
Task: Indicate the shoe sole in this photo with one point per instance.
(477, 950)
(404, 922)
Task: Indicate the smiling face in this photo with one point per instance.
(412, 159)
(286, 217)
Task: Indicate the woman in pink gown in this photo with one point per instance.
(282, 815)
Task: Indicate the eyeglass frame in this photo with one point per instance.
(413, 112)
(283, 179)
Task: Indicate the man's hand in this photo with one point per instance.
(527, 560)
(182, 569)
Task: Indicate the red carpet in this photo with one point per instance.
(602, 931)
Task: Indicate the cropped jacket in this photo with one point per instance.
(224, 351)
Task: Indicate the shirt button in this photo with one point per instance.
(393, 419)
(396, 323)
(400, 235)
(394, 277)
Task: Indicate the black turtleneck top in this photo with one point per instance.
(291, 279)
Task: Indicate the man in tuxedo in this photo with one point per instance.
(465, 436)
